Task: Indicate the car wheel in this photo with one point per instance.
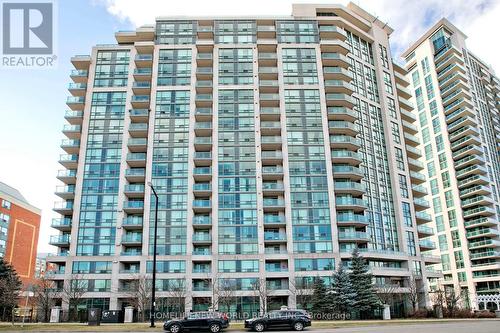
(214, 328)
(259, 327)
(298, 326)
(175, 328)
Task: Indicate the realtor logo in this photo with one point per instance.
(28, 33)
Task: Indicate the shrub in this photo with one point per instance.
(485, 314)
(463, 313)
(421, 313)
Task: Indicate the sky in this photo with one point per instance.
(32, 102)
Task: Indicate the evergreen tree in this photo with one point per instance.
(366, 299)
(320, 301)
(10, 285)
(342, 295)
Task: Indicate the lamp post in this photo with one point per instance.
(153, 302)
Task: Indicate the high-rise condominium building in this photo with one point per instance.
(457, 101)
(276, 145)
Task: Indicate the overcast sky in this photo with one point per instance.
(32, 103)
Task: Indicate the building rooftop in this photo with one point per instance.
(14, 194)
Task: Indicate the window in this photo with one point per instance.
(383, 56)
(395, 132)
(392, 107)
(436, 126)
(434, 187)
(425, 65)
(410, 239)
(420, 99)
(428, 151)
(449, 199)
(445, 177)
(455, 237)
(429, 88)
(403, 185)
(4, 218)
(445, 261)
(431, 169)
(388, 83)
(416, 78)
(452, 218)
(442, 161)
(443, 243)
(399, 159)
(407, 214)
(433, 108)
(437, 205)
(6, 204)
(439, 143)
(439, 223)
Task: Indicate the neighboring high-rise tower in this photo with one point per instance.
(457, 98)
(277, 145)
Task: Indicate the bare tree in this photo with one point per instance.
(72, 293)
(261, 292)
(302, 291)
(43, 296)
(139, 295)
(388, 293)
(225, 292)
(177, 293)
(452, 300)
(413, 291)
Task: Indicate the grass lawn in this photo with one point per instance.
(144, 327)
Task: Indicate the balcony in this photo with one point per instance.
(202, 238)
(271, 220)
(413, 152)
(270, 113)
(344, 142)
(272, 188)
(65, 192)
(483, 232)
(337, 73)
(138, 130)
(135, 175)
(204, 86)
(81, 61)
(203, 100)
(488, 243)
(415, 165)
(341, 127)
(132, 239)
(266, 31)
(466, 151)
(464, 141)
(77, 89)
(355, 236)
(350, 219)
(471, 170)
(64, 207)
(270, 127)
(202, 158)
(272, 204)
(60, 240)
(135, 160)
(407, 115)
(67, 176)
(423, 217)
(141, 87)
(202, 221)
(268, 73)
(132, 223)
(268, 86)
(347, 171)
(349, 203)
(267, 99)
(348, 187)
(480, 222)
(69, 161)
(338, 99)
(203, 143)
(143, 74)
(133, 206)
(139, 115)
(72, 131)
(271, 142)
(203, 114)
(70, 146)
(474, 191)
(346, 157)
(333, 45)
(134, 190)
(405, 104)
(204, 73)
(426, 245)
(339, 87)
(424, 231)
(62, 224)
(332, 32)
(477, 200)
(267, 58)
(202, 173)
(203, 128)
(342, 113)
(332, 59)
(204, 59)
(488, 254)
(137, 145)
(271, 156)
(272, 172)
(421, 204)
(74, 117)
(144, 60)
(478, 211)
(79, 75)
(411, 140)
(202, 189)
(274, 237)
(140, 101)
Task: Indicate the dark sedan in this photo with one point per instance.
(206, 320)
(284, 319)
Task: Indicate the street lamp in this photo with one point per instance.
(153, 303)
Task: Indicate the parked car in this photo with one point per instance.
(204, 320)
(296, 319)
